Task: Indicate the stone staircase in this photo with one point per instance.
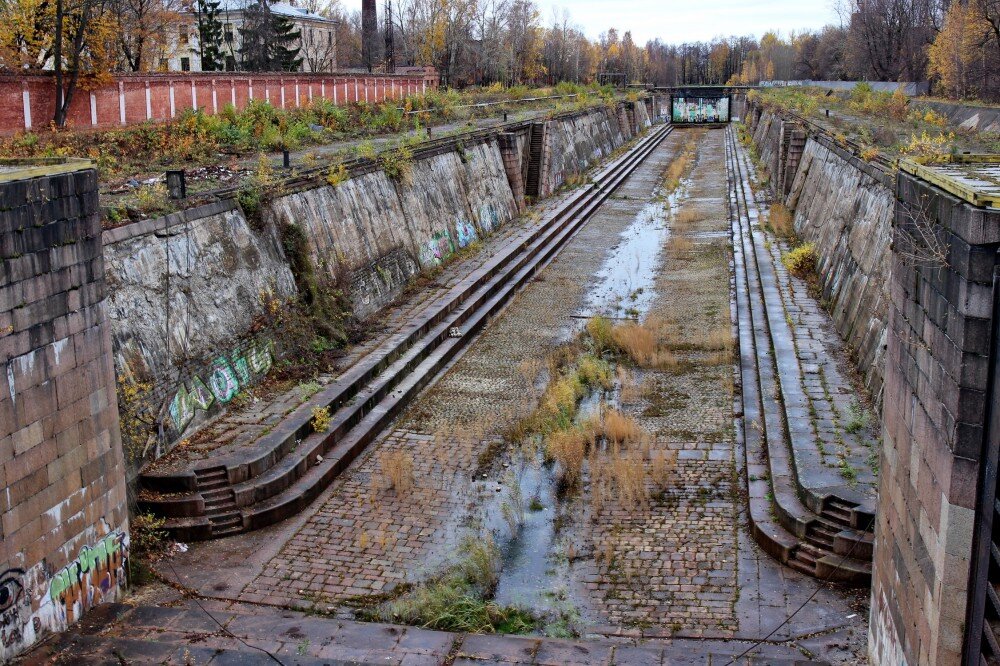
(801, 512)
(536, 145)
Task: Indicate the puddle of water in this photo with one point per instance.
(624, 285)
(530, 573)
(535, 573)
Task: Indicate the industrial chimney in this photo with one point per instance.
(369, 33)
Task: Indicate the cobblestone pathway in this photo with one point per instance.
(673, 563)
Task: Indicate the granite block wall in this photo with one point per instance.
(63, 518)
(933, 421)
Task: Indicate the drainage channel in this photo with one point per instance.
(285, 471)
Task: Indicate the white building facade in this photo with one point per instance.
(317, 41)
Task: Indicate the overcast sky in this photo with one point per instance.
(678, 21)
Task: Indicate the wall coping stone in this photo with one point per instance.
(36, 167)
(166, 222)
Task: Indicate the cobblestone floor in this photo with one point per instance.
(673, 563)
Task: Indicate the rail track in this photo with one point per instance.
(282, 472)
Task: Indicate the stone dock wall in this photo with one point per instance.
(63, 517)
(190, 294)
(844, 205)
(934, 417)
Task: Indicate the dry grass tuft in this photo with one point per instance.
(781, 221)
(687, 218)
(620, 428)
(638, 342)
(396, 471)
(621, 478)
(569, 449)
(679, 244)
(629, 391)
(721, 342)
(663, 468)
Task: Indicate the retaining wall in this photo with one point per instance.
(184, 292)
(185, 289)
(844, 205)
(976, 118)
(933, 427)
(63, 518)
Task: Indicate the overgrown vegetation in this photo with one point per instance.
(147, 542)
(801, 261)
(196, 137)
(880, 124)
(459, 598)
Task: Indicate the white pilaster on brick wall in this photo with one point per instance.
(297, 104)
(250, 85)
(357, 91)
(170, 96)
(121, 101)
(281, 82)
(232, 90)
(26, 102)
(194, 96)
(149, 103)
(215, 98)
(366, 90)
(93, 109)
(322, 89)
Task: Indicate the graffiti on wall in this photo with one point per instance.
(437, 249)
(489, 220)
(93, 577)
(38, 600)
(466, 232)
(226, 377)
(15, 608)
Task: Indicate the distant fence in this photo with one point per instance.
(27, 102)
(910, 88)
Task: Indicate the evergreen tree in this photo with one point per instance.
(269, 40)
(284, 53)
(209, 36)
(255, 33)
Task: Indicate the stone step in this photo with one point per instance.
(777, 514)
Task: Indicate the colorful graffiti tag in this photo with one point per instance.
(93, 577)
(437, 249)
(15, 608)
(36, 601)
(466, 232)
(226, 377)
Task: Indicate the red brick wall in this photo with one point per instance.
(63, 518)
(102, 107)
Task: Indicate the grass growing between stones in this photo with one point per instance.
(459, 598)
